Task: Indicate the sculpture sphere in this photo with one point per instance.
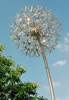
(32, 23)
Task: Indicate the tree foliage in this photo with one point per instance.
(11, 86)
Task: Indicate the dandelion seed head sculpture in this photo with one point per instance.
(34, 23)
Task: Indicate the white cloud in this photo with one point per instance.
(59, 63)
(63, 47)
(56, 84)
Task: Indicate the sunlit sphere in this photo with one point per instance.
(33, 23)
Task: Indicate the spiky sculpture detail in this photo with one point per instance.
(36, 30)
(32, 22)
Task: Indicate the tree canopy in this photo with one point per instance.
(11, 86)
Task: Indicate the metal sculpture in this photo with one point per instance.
(36, 30)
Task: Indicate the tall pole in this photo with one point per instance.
(47, 70)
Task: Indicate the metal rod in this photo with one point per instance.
(48, 72)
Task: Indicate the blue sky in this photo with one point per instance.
(58, 60)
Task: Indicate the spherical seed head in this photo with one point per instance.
(34, 23)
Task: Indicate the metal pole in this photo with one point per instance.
(47, 70)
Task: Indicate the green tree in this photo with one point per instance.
(11, 87)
